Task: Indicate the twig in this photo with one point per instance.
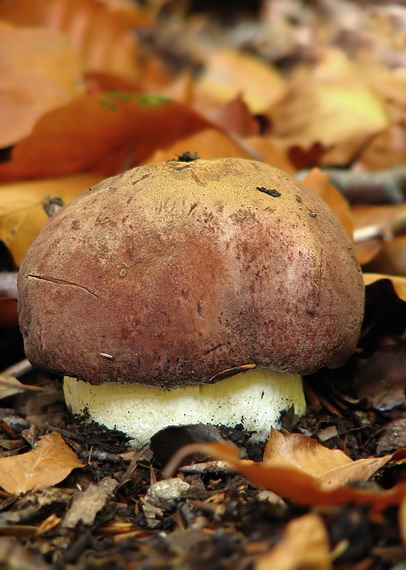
(379, 187)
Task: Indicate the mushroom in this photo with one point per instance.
(190, 292)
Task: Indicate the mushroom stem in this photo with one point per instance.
(255, 399)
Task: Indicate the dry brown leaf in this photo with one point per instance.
(331, 467)
(232, 73)
(304, 545)
(289, 482)
(39, 71)
(47, 465)
(318, 182)
(22, 213)
(101, 30)
(209, 143)
(108, 133)
(9, 385)
(399, 283)
(236, 117)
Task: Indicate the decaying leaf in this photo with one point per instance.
(47, 465)
(304, 545)
(10, 386)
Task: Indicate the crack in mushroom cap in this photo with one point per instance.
(170, 273)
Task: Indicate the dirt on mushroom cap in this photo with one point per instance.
(170, 273)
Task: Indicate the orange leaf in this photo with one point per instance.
(289, 482)
(231, 73)
(39, 71)
(332, 467)
(108, 133)
(318, 182)
(43, 467)
(304, 544)
(399, 283)
(209, 143)
(101, 30)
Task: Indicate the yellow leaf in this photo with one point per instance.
(304, 545)
(22, 213)
(43, 467)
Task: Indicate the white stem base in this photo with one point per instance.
(255, 399)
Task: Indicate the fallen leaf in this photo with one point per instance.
(106, 133)
(86, 504)
(39, 71)
(102, 31)
(43, 467)
(381, 379)
(268, 152)
(289, 482)
(209, 143)
(398, 283)
(231, 73)
(9, 385)
(236, 117)
(22, 213)
(331, 104)
(318, 182)
(304, 545)
(331, 467)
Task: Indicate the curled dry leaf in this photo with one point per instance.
(304, 544)
(331, 467)
(22, 208)
(319, 183)
(292, 483)
(108, 133)
(39, 71)
(398, 283)
(10, 386)
(47, 465)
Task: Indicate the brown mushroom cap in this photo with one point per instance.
(170, 273)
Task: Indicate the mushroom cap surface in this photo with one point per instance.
(169, 273)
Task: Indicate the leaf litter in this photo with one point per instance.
(297, 87)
